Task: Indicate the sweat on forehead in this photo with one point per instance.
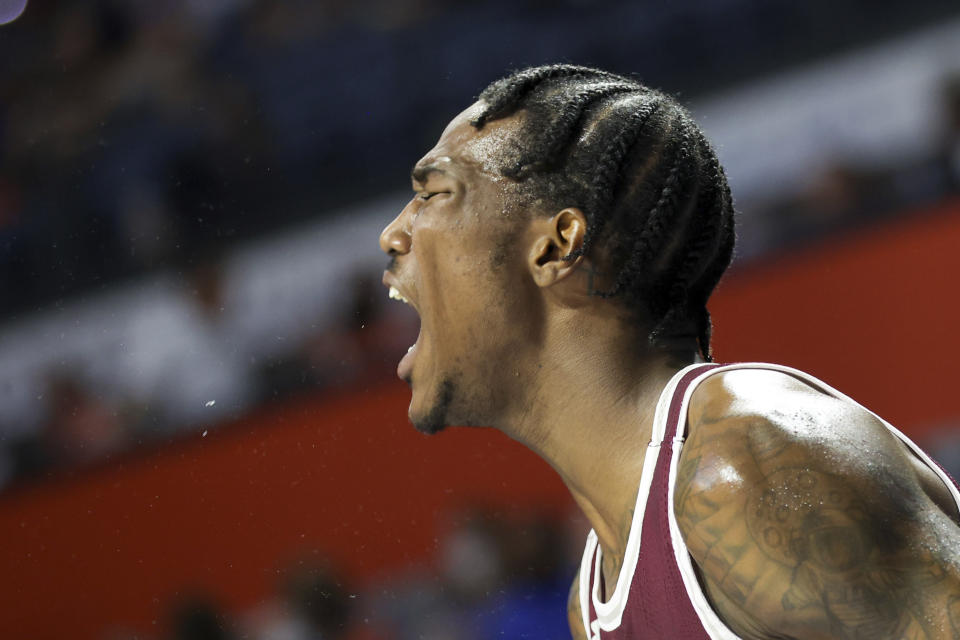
(463, 146)
(497, 145)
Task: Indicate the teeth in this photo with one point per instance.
(410, 349)
(395, 295)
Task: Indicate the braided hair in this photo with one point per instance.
(660, 218)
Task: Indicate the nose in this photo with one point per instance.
(395, 238)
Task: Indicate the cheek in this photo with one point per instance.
(466, 318)
(441, 286)
(492, 316)
(470, 294)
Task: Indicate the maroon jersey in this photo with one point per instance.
(657, 594)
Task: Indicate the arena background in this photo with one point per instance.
(202, 435)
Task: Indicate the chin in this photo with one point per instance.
(428, 426)
(435, 418)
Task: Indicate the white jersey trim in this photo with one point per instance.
(610, 613)
(711, 622)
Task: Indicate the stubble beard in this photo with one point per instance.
(435, 419)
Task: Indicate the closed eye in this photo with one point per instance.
(426, 196)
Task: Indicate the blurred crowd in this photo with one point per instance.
(136, 140)
(846, 194)
(494, 575)
(135, 135)
(180, 361)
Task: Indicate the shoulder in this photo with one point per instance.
(755, 391)
(756, 434)
(787, 497)
(761, 439)
(764, 419)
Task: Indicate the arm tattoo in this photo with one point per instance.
(808, 549)
(825, 536)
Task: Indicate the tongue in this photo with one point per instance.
(405, 368)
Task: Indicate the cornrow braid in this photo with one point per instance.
(502, 96)
(660, 218)
(609, 172)
(702, 238)
(564, 126)
(718, 250)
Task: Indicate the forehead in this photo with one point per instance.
(462, 147)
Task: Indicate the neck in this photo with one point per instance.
(589, 412)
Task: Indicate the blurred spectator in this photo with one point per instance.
(199, 619)
(499, 576)
(320, 600)
(182, 360)
(532, 602)
(313, 604)
(936, 175)
(80, 428)
(371, 333)
(950, 145)
(841, 195)
(362, 344)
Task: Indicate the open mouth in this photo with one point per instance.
(405, 367)
(395, 294)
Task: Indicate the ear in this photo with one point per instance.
(554, 239)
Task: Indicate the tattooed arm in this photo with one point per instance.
(806, 518)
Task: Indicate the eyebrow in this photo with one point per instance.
(420, 173)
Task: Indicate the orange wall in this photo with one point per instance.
(874, 315)
(347, 478)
